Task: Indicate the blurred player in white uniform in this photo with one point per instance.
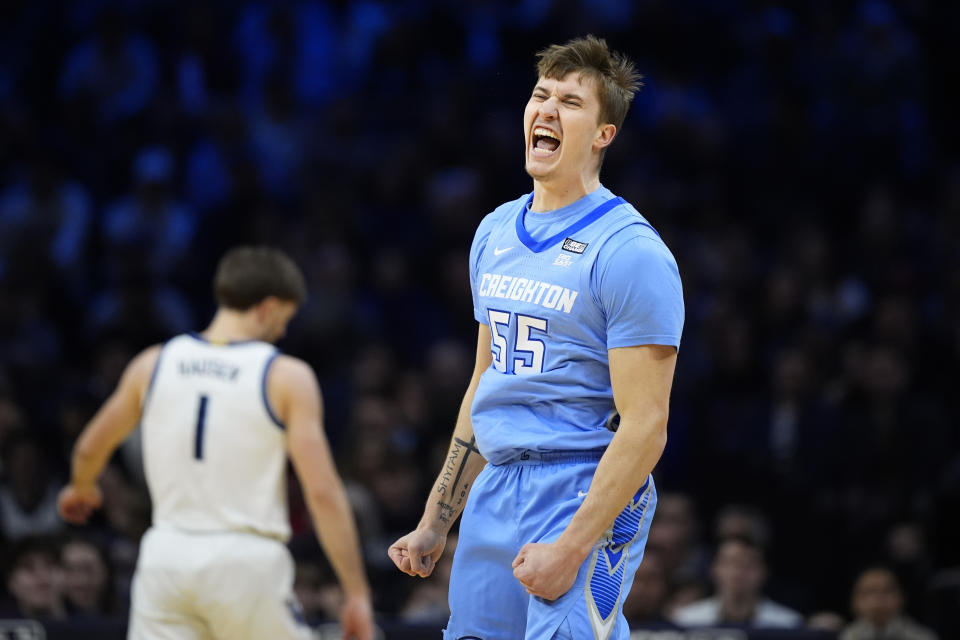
(220, 411)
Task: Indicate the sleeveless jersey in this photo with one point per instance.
(214, 452)
(558, 289)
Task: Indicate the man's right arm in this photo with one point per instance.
(416, 553)
(295, 394)
(118, 416)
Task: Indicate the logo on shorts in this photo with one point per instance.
(574, 246)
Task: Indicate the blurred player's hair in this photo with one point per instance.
(615, 74)
(248, 275)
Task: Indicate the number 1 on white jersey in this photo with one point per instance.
(201, 424)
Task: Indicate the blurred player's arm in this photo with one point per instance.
(295, 394)
(641, 377)
(118, 416)
(417, 552)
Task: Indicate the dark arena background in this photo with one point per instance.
(800, 159)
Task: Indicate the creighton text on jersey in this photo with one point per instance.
(551, 296)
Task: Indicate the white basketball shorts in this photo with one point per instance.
(204, 586)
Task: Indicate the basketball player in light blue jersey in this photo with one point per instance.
(580, 310)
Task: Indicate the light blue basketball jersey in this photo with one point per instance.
(558, 289)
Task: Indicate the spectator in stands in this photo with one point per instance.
(150, 227)
(87, 578)
(738, 571)
(675, 533)
(317, 590)
(28, 499)
(278, 138)
(45, 215)
(741, 520)
(11, 421)
(877, 603)
(31, 581)
(645, 603)
(907, 555)
(30, 342)
(116, 71)
(684, 593)
(825, 621)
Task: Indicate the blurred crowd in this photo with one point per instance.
(800, 159)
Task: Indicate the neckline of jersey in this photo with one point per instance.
(539, 246)
(231, 343)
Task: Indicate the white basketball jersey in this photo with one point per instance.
(214, 453)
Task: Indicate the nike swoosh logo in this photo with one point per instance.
(497, 250)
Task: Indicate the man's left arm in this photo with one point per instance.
(118, 416)
(641, 377)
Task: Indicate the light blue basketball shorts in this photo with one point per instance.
(532, 499)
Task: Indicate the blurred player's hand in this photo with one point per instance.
(416, 553)
(546, 570)
(77, 503)
(356, 618)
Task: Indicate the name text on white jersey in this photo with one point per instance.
(208, 367)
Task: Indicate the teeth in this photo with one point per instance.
(546, 133)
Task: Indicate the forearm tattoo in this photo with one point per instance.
(452, 494)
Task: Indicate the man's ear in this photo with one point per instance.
(605, 135)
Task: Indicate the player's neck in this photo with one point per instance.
(232, 326)
(550, 195)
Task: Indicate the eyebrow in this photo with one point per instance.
(566, 96)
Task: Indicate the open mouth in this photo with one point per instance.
(545, 141)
